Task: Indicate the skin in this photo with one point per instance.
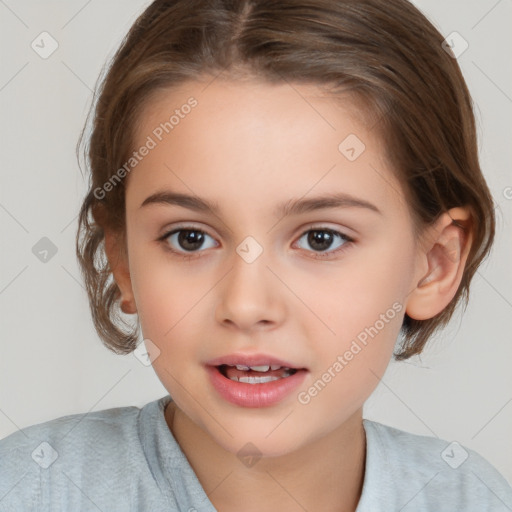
(249, 146)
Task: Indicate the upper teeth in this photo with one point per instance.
(262, 368)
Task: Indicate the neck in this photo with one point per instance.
(326, 475)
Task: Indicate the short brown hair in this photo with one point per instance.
(383, 52)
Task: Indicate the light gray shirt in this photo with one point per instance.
(126, 459)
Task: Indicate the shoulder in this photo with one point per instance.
(77, 434)
(79, 451)
(428, 473)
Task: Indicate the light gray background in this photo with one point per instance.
(51, 361)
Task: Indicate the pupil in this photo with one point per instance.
(190, 240)
(320, 240)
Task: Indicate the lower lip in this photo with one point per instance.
(254, 395)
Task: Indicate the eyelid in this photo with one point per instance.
(183, 226)
(325, 226)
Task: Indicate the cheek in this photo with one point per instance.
(366, 290)
(360, 314)
(363, 334)
(350, 368)
(165, 304)
(166, 291)
(156, 302)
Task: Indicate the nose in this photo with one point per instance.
(250, 296)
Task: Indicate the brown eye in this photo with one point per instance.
(185, 240)
(320, 240)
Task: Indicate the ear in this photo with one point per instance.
(441, 263)
(118, 260)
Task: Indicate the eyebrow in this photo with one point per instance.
(291, 207)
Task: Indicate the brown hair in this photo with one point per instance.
(383, 52)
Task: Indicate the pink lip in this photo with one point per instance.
(249, 360)
(253, 395)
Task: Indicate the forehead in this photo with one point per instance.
(247, 140)
(254, 107)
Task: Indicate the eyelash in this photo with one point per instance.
(317, 255)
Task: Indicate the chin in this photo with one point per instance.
(244, 446)
(267, 437)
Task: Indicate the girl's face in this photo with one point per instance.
(271, 274)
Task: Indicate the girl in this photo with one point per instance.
(279, 191)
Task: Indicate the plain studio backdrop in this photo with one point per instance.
(52, 362)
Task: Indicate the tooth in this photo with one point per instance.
(258, 380)
(242, 367)
(235, 378)
(275, 366)
(263, 368)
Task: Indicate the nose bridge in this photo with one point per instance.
(248, 295)
(249, 274)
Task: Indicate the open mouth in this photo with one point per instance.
(255, 374)
(254, 380)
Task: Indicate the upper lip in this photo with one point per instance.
(250, 360)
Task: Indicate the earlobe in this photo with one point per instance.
(128, 306)
(118, 261)
(444, 254)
